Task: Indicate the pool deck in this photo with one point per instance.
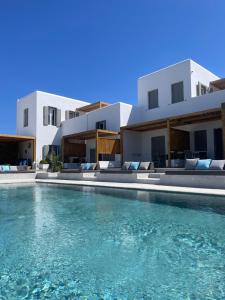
(136, 186)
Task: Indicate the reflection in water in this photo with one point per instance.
(59, 242)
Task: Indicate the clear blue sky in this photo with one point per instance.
(96, 49)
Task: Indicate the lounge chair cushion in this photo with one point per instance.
(217, 164)
(5, 168)
(134, 165)
(22, 168)
(203, 164)
(191, 164)
(85, 166)
(114, 164)
(102, 165)
(13, 168)
(92, 166)
(144, 165)
(126, 165)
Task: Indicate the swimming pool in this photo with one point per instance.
(60, 242)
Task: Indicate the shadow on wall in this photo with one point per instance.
(136, 115)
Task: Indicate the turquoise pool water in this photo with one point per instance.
(83, 243)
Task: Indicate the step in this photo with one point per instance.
(155, 175)
(149, 180)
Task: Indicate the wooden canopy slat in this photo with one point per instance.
(92, 106)
(219, 84)
(15, 138)
(199, 117)
(91, 134)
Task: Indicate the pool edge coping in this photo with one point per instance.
(137, 186)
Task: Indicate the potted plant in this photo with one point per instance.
(44, 164)
(55, 163)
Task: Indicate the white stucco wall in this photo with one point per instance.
(200, 74)
(162, 80)
(190, 73)
(30, 102)
(45, 135)
(195, 104)
(116, 115)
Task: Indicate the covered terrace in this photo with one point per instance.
(167, 142)
(15, 149)
(90, 146)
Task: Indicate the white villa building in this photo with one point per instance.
(179, 114)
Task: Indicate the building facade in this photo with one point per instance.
(179, 114)
(173, 102)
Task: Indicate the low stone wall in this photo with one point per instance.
(106, 177)
(78, 176)
(196, 181)
(17, 177)
(117, 177)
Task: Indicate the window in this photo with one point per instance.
(200, 140)
(52, 116)
(25, 117)
(177, 90)
(153, 99)
(73, 114)
(201, 89)
(101, 125)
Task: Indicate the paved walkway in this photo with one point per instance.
(136, 186)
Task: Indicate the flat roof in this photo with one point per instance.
(15, 138)
(92, 106)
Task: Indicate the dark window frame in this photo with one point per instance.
(200, 140)
(26, 117)
(103, 122)
(153, 103)
(175, 93)
(52, 120)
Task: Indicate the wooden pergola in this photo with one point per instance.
(15, 139)
(181, 120)
(92, 106)
(106, 142)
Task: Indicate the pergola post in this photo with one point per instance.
(34, 150)
(121, 144)
(223, 126)
(169, 142)
(62, 149)
(96, 147)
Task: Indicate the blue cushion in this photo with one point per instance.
(203, 164)
(134, 165)
(86, 166)
(5, 168)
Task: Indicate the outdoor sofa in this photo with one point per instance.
(200, 167)
(7, 169)
(79, 168)
(131, 168)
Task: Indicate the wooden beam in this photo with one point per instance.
(223, 127)
(34, 150)
(169, 142)
(121, 144)
(190, 118)
(96, 147)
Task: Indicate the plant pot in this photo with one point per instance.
(43, 167)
